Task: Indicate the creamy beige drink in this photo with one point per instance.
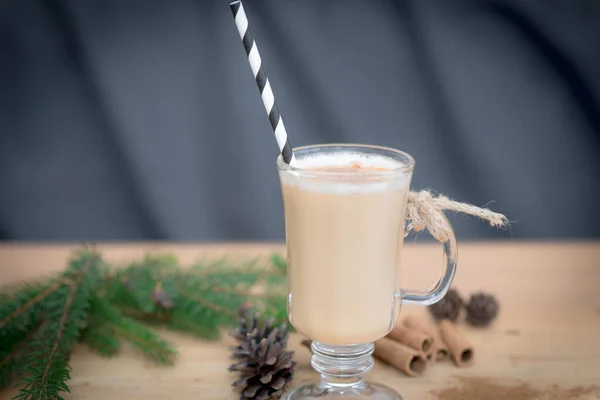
(344, 216)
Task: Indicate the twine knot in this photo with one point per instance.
(427, 212)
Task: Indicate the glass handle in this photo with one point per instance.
(440, 289)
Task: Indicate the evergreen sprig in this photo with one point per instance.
(101, 306)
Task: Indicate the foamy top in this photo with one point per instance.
(339, 177)
(351, 160)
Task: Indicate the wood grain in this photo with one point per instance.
(548, 331)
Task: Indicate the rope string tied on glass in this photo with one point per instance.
(427, 212)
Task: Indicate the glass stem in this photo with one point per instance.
(342, 366)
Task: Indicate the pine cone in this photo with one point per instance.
(160, 297)
(265, 366)
(448, 307)
(482, 309)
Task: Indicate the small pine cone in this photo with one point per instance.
(161, 298)
(448, 307)
(482, 309)
(265, 367)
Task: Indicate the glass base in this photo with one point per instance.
(364, 391)
(342, 369)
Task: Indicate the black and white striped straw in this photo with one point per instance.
(262, 81)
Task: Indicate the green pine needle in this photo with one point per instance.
(100, 337)
(279, 263)
(21, 310)
(90, 303)
(12, 355)
(133, 332)
(65, 312)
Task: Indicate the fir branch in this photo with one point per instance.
(65, 314)
(135, 313)
(245, 293)
(88, 304)
(27, 298)
(144, 339)
(205, 303)
(180, 321)
(58, 339)
(11, 356)
(279, 263)
(197, 300)
(100, 337)
(135, 333)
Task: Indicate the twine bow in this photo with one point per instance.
(427, 212)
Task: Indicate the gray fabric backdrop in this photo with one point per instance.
(140, 119)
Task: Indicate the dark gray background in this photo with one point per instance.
(140, 119)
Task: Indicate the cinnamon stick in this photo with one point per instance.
(414, 338)
(461, 351)
(406, 359)
(439, 348)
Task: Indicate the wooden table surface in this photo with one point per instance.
(548, 330)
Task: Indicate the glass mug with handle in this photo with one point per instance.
(345, 221)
